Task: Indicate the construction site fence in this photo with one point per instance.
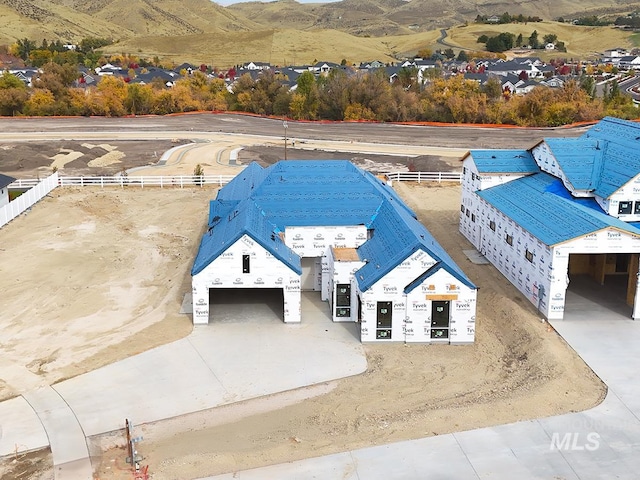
(187, 181)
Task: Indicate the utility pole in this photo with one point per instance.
(284, 124)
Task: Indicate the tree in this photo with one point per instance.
(24, 47)
(198, 173)
(501, 43)
(307, 87)
(462, 56)
(519, 40)
(333, 93)
(408, 78)
(449, 53)
(482, 39)
(550, 38)
(534, 42)
(492, 89)
(425, 53)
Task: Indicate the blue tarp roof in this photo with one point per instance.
(543, 206)
(263, 202)
(504, 161)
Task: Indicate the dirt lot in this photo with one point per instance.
(92, 276)
(28, 159)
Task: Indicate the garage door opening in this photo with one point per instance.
(246, 305)
(604, 279)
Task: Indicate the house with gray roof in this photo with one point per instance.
(566, 209)
(5, 181)
(330, 229)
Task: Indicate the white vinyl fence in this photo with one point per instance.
(35, 193)
(424, 177)
(179, 181)
(185, 181)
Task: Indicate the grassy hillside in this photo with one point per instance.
(580, 41)
(275, 46)
(285, 31)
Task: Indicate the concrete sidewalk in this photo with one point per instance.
(601, 443)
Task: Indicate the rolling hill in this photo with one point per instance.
(291, 32)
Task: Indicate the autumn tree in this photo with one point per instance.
(13, 94)
(333, 92)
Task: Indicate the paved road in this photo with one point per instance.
(12, 129)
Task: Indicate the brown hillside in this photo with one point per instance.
(288, 31)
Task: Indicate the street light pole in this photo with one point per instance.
(284, 124)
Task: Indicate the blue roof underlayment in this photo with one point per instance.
(601, 161)
(544, 207)
(244, 218)
(396, 236)
(504, 161)
(604, 159)
(263, 202)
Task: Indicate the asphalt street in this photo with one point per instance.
(11, 129)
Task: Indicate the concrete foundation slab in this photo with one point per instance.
(476, 257)
(20, 428)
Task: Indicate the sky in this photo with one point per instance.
(230, 2)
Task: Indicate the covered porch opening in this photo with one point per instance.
(608, 279)
(246, 304)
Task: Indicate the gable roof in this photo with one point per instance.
(396, 236)
(504, 161)
(545, 208)
(240, 219)
(262, 202)
(608, 156)
(6, 180)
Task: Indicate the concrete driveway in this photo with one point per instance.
(601, 443)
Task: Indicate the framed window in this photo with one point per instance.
(473, 217)
(636, 208)
(528, 255)
(246, 267)
(492, 225)
(509, 239)
(468, 212)
(462, 208)
(624, 208)
(464, 170)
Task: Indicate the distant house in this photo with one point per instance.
(257, 66)
(553, 82)
(493, 19)
(24, 74)
(629, 61)
(550, 46)
(169, 78)
(5, 181)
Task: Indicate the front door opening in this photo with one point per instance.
(440, 319)
(383, 320)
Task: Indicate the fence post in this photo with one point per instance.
(419, 177)
(101, 182)
(181, 184)
(439, 177)
(161, 179)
